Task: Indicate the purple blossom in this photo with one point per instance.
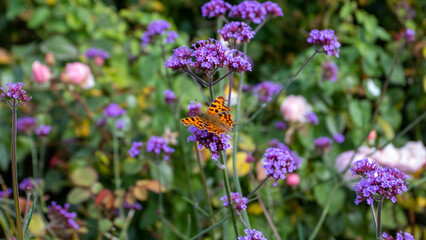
(132, 206)
(43, 130)
(280, 125)
(96, 52)
(330, 71)
(210, 141)
(171, 37)
(339, 138)
(323, 145)
(273, 9)
(155, 28)
(312, 118)
(158, 145)
(26, 124)
(6, 193)
(238, 202)
(113, 110)
(215, 8)
(237, 30)
(61, 218)
(249, 10)
(399, 236)
(250, 158)
(27, 184)
(327, 40)
(277, 163)
(410, 35)
(252, 234)
(364, 166)
(135, 149)
(13, 93)
(266, 90)
(236, 61)
(170, 97)
(120, 124)
(379, 183)
(180, 59)
(275, 143)
(194, 109)
(209, 55)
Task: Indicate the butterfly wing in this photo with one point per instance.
(214, 129)
(195, 121)
(226, 119)
(217, 106)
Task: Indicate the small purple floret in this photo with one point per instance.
(43, 130)
(14, 92)
(252, 11)
(169, 97)
(237, 200)
(399, 236)
(171, 37)
(266, 90)
(237, 30)
(96, 52)
(154, 29)
(312, 118)
(277, 163)
(252, 234)
(113, 110)
(6, 193)
(210, 141)
(61, 216)
(339, 138)
(158, 145)
(323, 145)
(26, 124)
(215, 8)
(327, 40)
(135, 149)
(194, 109)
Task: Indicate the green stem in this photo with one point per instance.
(34, 157)
(15, 176)
(379, 219)
(163, 55)
(228, 193)
(205, 188)
(117, 179)
(42, 155)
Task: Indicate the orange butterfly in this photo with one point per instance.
(216, 120)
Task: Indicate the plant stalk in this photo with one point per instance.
(228, 193)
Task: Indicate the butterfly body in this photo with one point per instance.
(217, 120)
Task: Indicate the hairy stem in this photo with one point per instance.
(379, 219)
(228, 193)
(257, 188)
(373, 212)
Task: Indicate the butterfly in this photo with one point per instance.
(217, 119)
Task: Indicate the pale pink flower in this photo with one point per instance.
(41, 73)
(79, 74)
(293, 179)
(295, 108)
(413, 157)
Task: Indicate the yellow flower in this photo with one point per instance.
(242, 166)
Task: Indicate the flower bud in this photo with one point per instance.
(41, 73)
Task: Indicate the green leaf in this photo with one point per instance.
(386, 63)
(78, 195)
(335, 123)
(132, 166)
(15, 8)
(105, 225)
(61, 47)
(40, 15)
(166, 174)
(4, 158)
(29, 216)
(84, 176)
(322, 193)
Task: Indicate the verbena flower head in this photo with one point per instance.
(330, 71)
(61, 218)
(399, 236)
(381, 183)
(171, 37)
(27, 184)
(312, 118)
(208, 55)
(275, 143)
(236, 61)
(14, 92)
(135, 149)
(339, 138)
(26, 124)
(277, 163)
(6, 193)
(266, 90)
(132, 206)
(154, 29)
(120, 124)
(43, 130)
(323, 145)
(96, 52)
(210, 141)
(280, 125)
(410, 35)
(327, 40)
(273, 9)
(194, 109)
(113, 110)
(252, 234)
(238, 202)
(364, 166)
(169, 97)
(158, 145)
(215, 8)
(249, 10)
(237, 30)
(180, 59)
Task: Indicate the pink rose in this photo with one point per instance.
(41, 73)
(293, 179)
(79, 74)
(387, 157)
(294, 109)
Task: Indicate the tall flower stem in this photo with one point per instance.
(15, 176)
(205, 188)
(34, 158)
(228, 192)
(117, 179)
(231, 76)
(379, 219)
(163, 55)
(373, 212)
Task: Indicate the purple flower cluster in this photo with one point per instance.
(180, 59)
(273, 9)
(43, 130)
(170, 97)
(132, 206)
(158, 145)
(6, 193)
(120, 124)
(312, 118)
(209, 55)
(330, 71)
(215, 8)
(26, 124)
(249, 10)
(265, 90)
(236, 61)
(339, 138)
(323, 145)
(399, 236)
(410, 35)
(61, 218)
(14, 92)
(237, 30)
(378, 182)
(210, 141)
(96, 52)
(194, 109)
(113, 110)
(27, 184)
(278, 162)
(238, 202)
(252, 234)
(280, 125)
(156, 28)
(135, 149)
(327, 40)
(275, 143)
